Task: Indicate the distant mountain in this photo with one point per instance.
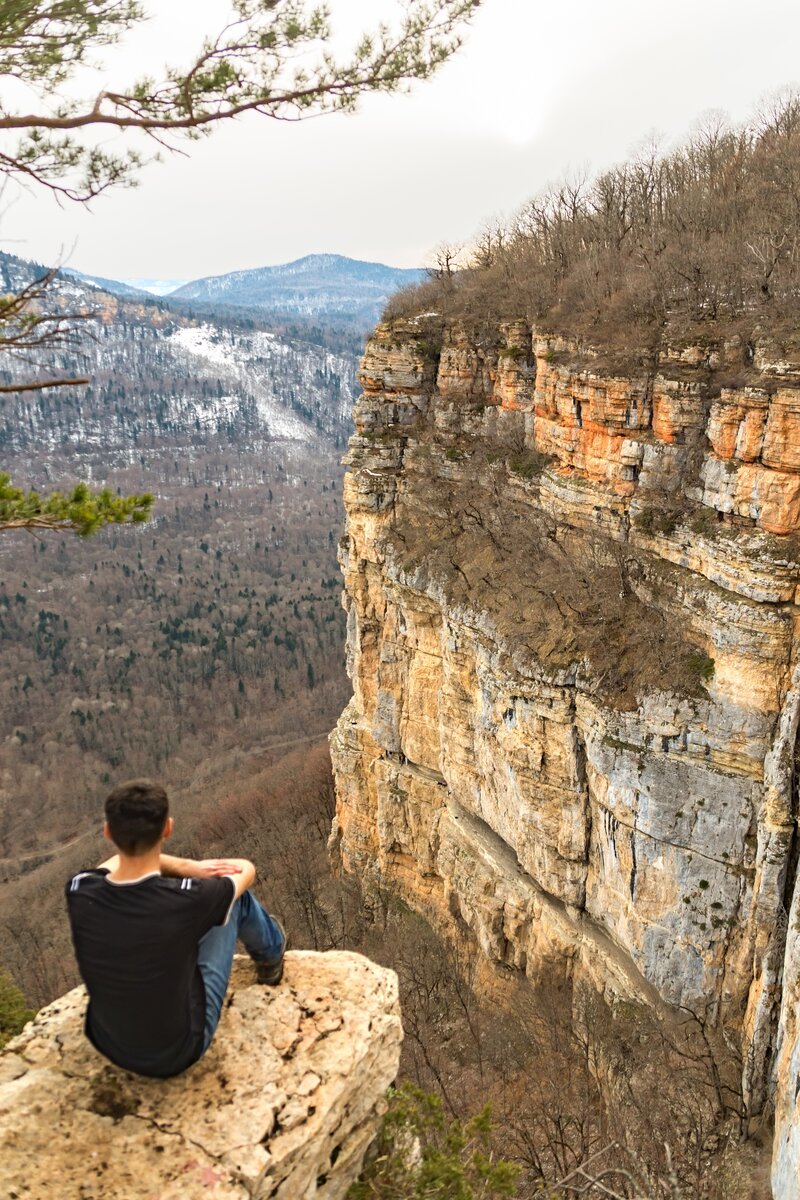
(131, 289)
(319, 286)
(320, 290)
(115, 286)
(16, 273)
(156, 287)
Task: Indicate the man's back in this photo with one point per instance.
(136, 945)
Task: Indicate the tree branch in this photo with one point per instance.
(38, 385)
(248, 67)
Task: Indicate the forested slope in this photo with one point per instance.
(184, 648)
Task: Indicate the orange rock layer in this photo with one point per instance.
(604, 426)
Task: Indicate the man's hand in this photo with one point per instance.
(210, 868)
(239, 870)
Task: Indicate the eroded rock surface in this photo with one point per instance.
(786, 1156)
(573, 596)
(284, 1103)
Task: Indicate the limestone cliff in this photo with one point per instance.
(572, 590)
(283, 1105)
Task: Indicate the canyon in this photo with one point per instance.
(572, 598)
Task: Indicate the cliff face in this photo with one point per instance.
(284, 1104)
(573, 595)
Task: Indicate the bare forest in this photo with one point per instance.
(670, 243)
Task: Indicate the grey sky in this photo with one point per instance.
(537, 90)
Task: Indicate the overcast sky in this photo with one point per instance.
(538, 89)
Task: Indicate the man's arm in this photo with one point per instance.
(179, 868)
(240, 870)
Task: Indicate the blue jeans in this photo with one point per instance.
(262, 940)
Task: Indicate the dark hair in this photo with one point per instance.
(136, 812)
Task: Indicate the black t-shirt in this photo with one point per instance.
(136, 946)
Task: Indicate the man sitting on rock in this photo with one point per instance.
(155, 936)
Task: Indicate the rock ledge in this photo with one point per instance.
(283, 1105)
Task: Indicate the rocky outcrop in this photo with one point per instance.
(572, 589)
(284, 1104)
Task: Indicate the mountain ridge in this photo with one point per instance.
(116, 287)
(314, 285)
(315, 288)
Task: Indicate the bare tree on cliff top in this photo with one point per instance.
(273, 57)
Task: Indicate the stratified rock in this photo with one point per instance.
(284, 1103)
(488, 765)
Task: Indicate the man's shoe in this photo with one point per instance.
(272, 973)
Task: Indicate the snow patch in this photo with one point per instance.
(234, 357)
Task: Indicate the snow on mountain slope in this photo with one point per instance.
(158, 380)
(244, 359)
(117, 287)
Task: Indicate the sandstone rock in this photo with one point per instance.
(484, 769)
(284, 1104)
(736, 424)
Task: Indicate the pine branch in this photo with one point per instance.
(80, 511)
(271, 59)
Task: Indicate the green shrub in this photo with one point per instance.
(643, 521)
(704, 521)
(655, 520)
(700, 665)
(419, 1155)
(784, 546)
(14, 1012)
(429, 351)
(527, 465)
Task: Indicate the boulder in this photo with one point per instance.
(283, 1104)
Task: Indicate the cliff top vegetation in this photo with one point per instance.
(702, 240)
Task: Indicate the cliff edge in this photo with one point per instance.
(283, 1105)
(572, 587)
